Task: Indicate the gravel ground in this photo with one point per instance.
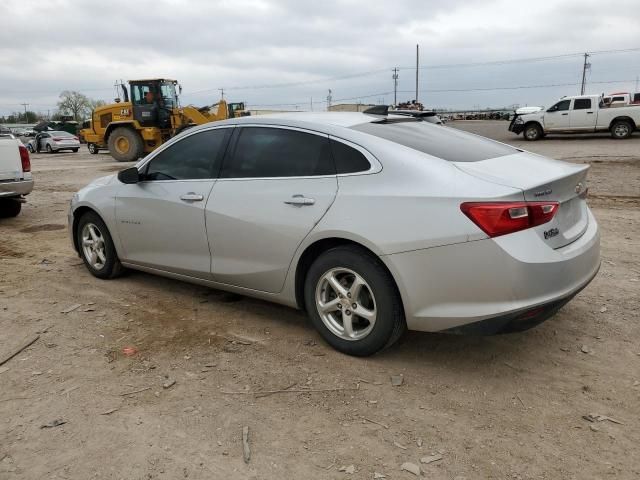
(491, 407)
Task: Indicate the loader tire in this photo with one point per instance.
(125, 144)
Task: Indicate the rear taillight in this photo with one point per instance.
(24, 158)
(501, 218)
(57, 139)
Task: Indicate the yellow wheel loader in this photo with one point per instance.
(147, 116)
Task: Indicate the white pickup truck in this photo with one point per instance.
(15, 175)
(580, 114)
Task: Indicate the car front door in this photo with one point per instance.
(275, 185)
(160, 220)
(557, 117)
(582, 116)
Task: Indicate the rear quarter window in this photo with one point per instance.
(442, 142)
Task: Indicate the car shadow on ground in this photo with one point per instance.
(458, 352)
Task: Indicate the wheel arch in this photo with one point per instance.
(113, 125)
(317, 248)
(77, 215)
(623, 118)
(533, 122)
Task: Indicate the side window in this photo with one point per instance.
(263, 152)
(192, 158)
(582, 104)
(348, 159)
(561, 106)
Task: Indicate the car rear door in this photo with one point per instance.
(275, 185)
(160, 220)
(582, 115)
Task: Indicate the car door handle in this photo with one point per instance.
(192, 197)
(589, 113)
(565, 114)
(300, 200)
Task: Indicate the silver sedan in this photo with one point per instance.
(54, 141)
(371, 223)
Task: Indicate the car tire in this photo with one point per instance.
(125, 144)
(621, 129)
(74, 150)
(30, 148)
(106, 266)
(49, 149)
(93, 148)
(378, 296)
(532, 132)
(9, 208)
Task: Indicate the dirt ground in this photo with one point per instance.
(492, 407)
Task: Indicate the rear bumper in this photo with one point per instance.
(15, 188)
(516, 321)
(507, 282)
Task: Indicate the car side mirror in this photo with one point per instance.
(129, 175)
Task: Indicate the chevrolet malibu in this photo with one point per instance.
(372, 224)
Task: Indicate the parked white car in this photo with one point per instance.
(15, 175)
(579, 114)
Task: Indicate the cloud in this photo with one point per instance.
(50, 46)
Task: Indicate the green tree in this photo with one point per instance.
(75, 104)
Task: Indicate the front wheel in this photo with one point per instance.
(93, 148)
(353, 302)
(96, 247)
(621, 129)
(49, 149)
(532, 132)
(74, 150)
(125, 144)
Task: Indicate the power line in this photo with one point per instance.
(445, 90)
(522, 60)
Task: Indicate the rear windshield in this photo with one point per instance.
(442, 142)
(61, 134)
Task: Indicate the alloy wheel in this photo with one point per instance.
(346, 304)
(93, 246)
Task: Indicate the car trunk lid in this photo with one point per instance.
(542, 179)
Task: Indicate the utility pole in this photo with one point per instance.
(311, 104)
(25, 105)
(584, 72)
(417, 68)
(395, 86)
(329, 100)
(221, 93)
(637, 81)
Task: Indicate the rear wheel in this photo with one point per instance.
(49, 149)
(96, 247)
(93, 148)
(9, 208)
(621, 129)
(74, 150)
(353, 301)
(125, 144)
(532, 132)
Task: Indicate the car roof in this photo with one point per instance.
(338, 119)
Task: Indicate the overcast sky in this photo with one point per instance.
(53, 45)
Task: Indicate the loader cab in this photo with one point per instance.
(153, 101)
